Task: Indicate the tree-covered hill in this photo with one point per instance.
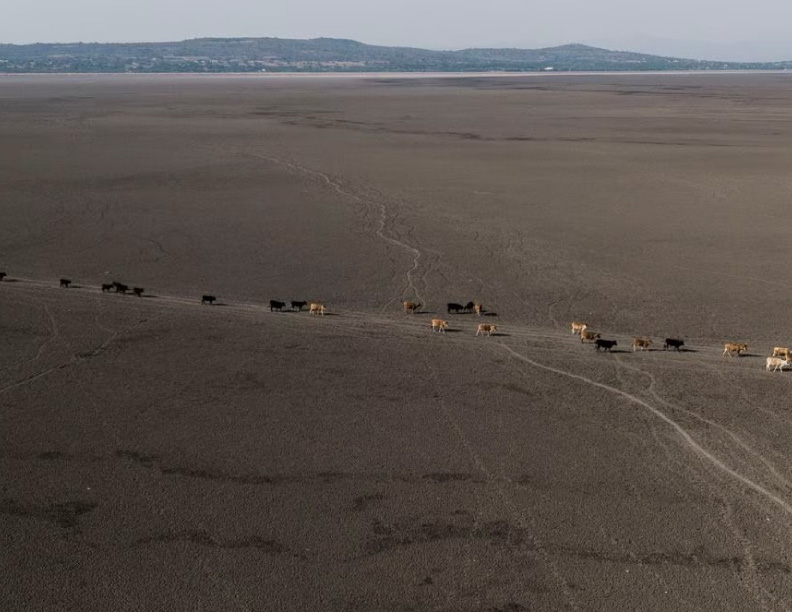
(329, 55)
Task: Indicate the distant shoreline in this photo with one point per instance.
(402, 75)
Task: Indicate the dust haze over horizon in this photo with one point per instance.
(699, 29)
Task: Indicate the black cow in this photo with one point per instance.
(138, 291)
(65, 282)
(605, 345)
(208, 299)
(470, 306)
(673, 343)
(452, 307)
(106, 287)
(120, 287)
(276, 305)
(296, 305)
(2, 276)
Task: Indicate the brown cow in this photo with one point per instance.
(781, 351)
(478, 308)
(439, 325)
(641, 343)
(588, 336)
(316, 308)
(578, 327)
(486, 328)
(734, 347)
(411, 307)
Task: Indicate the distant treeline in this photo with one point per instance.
(332, 55)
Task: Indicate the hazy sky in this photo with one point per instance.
(707, 29)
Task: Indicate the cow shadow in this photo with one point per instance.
(10, 280)
(489, 314)
(452, 331)
(499, 334)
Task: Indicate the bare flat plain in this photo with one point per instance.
(160, 454)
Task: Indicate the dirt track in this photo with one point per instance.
(159, 453)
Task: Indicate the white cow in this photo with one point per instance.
(776, 364)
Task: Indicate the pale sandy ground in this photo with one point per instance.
(157, 453)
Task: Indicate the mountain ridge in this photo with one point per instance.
(323, 54)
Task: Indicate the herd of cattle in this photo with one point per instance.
(780, 359)
(295, 305)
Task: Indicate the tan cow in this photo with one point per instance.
(775, 364)
(411, 307)
(439, 325)
(641, 343)
(588, 336)
(486, 328)
(780, 351)
(578, 327)
(478, 308)
(317, 308)
(734, 347)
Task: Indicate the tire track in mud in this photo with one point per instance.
(527, 524)
(749, 576)
(694, 475)
(685, 436)
(54, 334)
(75, 360)
(736, 439)
(384, 220)
(749, 573)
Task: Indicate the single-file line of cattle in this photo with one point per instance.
(780, 359)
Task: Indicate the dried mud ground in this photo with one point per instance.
(161, 454)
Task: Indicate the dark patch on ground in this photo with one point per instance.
(393, 536)
(448, 477)
(144, 460)
(362, 502)
(251, 479)
(203, 538)
(65, 515)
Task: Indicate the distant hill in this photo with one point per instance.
(331, 55)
